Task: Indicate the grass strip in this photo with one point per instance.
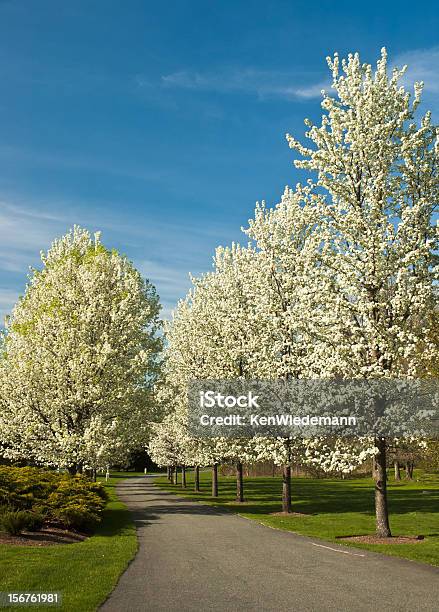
(85, 572)
(334, 508)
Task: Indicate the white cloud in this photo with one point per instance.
(263, 83)
(422, 65)
(312, 91)
(172, 280)
(25, 231)
(95, 163)
(8, 298)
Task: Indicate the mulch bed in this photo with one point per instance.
(288, 514)
(372, 539)
(48, 536)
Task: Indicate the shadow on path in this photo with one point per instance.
(198, 558)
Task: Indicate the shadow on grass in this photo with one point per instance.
(312, 497)
(115, 522)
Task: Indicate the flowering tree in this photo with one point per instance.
(215, 334)
(339, 280)
(80, 355)
(171, 446)
(377, 189)
(289, 255)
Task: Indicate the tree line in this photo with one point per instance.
(338, 281)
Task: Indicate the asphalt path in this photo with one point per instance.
(196, 558)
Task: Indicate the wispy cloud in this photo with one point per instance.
(23, 233)
(312, 91)
(422, 65)
(98, 164)
(262, 83)
(172, 279)
(8, 297)
(151, 245)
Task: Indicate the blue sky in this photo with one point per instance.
(161, 124)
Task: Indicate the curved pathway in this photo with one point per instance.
(196, 558)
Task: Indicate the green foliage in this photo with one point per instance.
(73, 502)
(76, 516)
(34, 521)
(95, 564)
(80, 256)
(16, 521)
(21, 487)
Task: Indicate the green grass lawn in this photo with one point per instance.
(336, 508)
(85, 572)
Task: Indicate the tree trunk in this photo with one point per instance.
(72, 470)
(176, 475)
(286, 489)
(215, 480)
(409, 470)
(239, 483)
(197, 479)
(380, 477)
(169, 472)
(397, 470)
(183, 476)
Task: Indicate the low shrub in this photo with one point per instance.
(73, 502)
(76, 503)
(76, 516)
(14, 522)
(97, 488)
(21, 487)
(34, 521)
